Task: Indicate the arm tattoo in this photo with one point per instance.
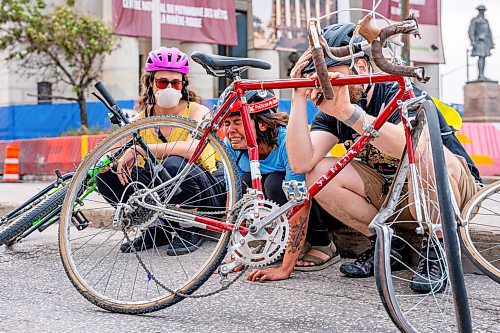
(297, 234)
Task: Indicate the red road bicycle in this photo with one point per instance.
(253, 230)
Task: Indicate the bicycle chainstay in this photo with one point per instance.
(226, 284)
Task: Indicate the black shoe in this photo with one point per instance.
(430, 275)
(363, 266)
(185, 241)
(156, 236)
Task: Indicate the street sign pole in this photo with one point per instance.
(156, 25)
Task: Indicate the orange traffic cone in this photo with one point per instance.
(11, 164)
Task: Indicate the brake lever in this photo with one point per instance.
(320, 99)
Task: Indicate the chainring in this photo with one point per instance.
(268, 244)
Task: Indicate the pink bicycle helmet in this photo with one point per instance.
(167, 59)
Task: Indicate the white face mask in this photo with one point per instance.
(168, 98)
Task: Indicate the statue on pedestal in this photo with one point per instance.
(481, 40)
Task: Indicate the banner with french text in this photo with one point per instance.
(428, 48)
(203, 21)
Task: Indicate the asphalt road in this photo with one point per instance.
(36, 296)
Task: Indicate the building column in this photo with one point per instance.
(5, 86)
(271, 56)
(199, 81)
(344, 17)
(120, 70)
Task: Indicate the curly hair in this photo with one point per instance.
(273, 120)
(147, 99)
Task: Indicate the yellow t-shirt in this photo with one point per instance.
(207, 157)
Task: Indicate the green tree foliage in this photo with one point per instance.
(63, 45)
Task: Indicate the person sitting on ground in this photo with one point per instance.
(269, 127)
(165, 91)
(356, 194)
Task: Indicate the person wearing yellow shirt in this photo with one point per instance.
(165, 92)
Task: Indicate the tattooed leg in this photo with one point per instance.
(298, 233)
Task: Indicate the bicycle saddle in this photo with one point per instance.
(213, 63)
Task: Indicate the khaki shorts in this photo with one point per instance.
(374, 184)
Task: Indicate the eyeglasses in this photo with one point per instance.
(164, 83)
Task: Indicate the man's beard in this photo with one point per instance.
(356, 92)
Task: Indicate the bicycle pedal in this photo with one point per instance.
(226, 268)
(80, 220)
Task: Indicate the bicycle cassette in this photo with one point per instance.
(264, 247)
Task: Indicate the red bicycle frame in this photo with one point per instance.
(236, 102)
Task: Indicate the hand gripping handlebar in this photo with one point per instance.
(376, 38)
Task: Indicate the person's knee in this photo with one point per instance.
(346, 181)
(174, 163)
(105, 177)
(246, 181)
(319, 170)
(273, 187)
(317, 175)
(109, 186)
(328, 192)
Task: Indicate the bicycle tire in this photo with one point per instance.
(395, 305)
(25, 221)
(474, 209)
(112, 302)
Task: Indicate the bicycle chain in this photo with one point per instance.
(246, 198)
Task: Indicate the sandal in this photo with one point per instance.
(319, 264)
(307, 247)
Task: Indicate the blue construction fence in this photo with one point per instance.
(52, 120)
(49, 120)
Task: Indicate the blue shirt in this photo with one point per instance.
(277, 160)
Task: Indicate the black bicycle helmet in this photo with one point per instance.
(337, 35)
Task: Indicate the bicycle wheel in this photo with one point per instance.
(99, 261)
(12, 229)
(480, 233)
(420, 299)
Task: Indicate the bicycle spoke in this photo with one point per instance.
(162, 256)
(408, 290)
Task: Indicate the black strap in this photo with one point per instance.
(149, 113)
(161, 136)
(239, 157)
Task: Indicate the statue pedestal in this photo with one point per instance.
(482, 101)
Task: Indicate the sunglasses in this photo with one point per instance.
(164, 83)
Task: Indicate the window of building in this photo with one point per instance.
(44, 92)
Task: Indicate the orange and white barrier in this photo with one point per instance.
(11, 163)
(482, 142)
